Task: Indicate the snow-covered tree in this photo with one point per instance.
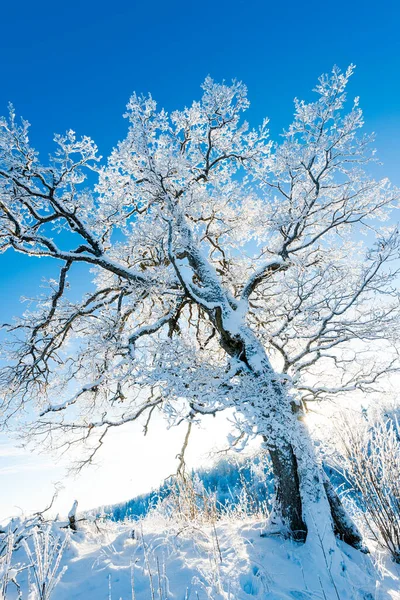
(228, 271)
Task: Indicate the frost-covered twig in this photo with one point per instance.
(44, 552)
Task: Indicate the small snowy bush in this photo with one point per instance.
(8, 571)
(371, 463)
(44, 552)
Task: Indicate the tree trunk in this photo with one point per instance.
(305, 501)
(288, 505)
(343, 525)
(289, 498)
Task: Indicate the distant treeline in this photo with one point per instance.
(233, 481)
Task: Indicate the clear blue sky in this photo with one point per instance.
(74, 65)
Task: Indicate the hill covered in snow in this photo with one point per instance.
(169, 558)
(201, 537)
(231, 482)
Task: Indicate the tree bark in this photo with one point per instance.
(288, 504)
(288, 499)
(343, 525)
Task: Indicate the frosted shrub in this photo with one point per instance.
(44, 551)
(371, 453)
(8, 572)
(189, 500)
(19, 529)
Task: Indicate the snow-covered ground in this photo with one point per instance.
(160, 558)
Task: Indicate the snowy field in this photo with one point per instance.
(159, 559)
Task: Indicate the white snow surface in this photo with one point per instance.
(230, 560)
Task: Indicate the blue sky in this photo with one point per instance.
(75, 64)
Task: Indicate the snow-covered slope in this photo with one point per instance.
(201, 539)
(162, 559)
